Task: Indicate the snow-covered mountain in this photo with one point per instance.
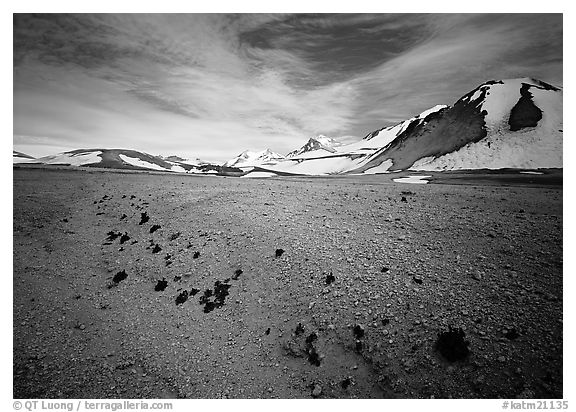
(315, 147)
(178, 159)
(19, 157)
(249, 159)
(128, 159)
(514, 123)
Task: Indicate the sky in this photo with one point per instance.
(213, 85)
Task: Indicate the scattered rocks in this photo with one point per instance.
(175, 236)
(317, 391)
(196, 255)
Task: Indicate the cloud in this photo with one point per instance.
(214, 85)
(464, 51)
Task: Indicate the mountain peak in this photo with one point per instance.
(319, 142)
(252, 158)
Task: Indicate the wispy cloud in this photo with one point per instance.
(214, 85)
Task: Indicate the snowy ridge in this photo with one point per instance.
(317, 145)
(251, 159)
(73, 158)
(19, 157)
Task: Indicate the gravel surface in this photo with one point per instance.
(136, 285)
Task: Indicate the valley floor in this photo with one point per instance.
(408, 261)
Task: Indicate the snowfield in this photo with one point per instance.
(134, 161)
(73, 159)
(415, 180)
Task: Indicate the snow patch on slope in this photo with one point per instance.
(321, 166)
(259, 174)
(415, 180)
(134, 161)
(522, 150)
(20, 159)
(73, 159)
(381, 168)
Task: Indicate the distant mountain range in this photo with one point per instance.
(127, 159)
(514, 123)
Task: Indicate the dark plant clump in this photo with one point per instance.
(299, 329)
(330, 278)
(161, 285)
(175, 236)
(313, 355)
(220, 292)
(311, 338)
(124, 238)
(512, 334)
(144, 218)
(279, 252)
(119, 277)
(358, 331)
(113, 235)
(346, 383)
(196, 255)
(154, 228)
(194, 291)
(451, 344)
(237, 274)
(156, 249)
(182, 297)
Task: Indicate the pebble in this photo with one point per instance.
(317, 391)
